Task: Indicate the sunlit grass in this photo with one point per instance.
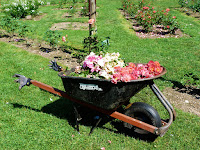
(35, 119)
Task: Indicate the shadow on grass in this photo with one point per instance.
(183, 89)
(63, 109)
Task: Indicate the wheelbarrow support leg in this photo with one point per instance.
(167, 105)
(97, 123)
(77, 118)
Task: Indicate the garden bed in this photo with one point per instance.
(189, 12)
(42, 49)
(70, 26)
(158, 31)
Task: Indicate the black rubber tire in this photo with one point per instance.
(146, 113)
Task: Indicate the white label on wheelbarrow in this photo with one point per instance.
(91, 87)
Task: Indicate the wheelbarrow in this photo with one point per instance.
(105, 97)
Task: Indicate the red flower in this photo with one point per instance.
(168, 27)
(133, 72)
(152, 7)
(154, 11)
(174, 17)
(149, 17)
(167, 10)
(146, 8)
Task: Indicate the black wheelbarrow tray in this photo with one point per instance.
(105, 97)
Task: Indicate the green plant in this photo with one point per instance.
(22, 8)
(9, 24)
(95, 44)
(85, 8)
(61, 3)
(73, 10)
(193, 4)
(52, 38)
(23, 30)
(191, 80)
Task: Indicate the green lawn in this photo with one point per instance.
(35, 119)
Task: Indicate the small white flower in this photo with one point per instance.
(15, 4)
(186, 101)
(101, 62)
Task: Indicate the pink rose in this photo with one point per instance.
(63, 39)
(91, 21)
(126, 77)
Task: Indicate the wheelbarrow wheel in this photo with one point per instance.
(144, 113)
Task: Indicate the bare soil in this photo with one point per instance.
(70, 26)
(183, 100)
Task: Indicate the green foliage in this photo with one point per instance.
(191, 80)
(85, 8)
(73, 9)
(193, 4)
(96, 45)
(52, 37)
(61, 3)
(23, 30)
(13, 25)
(9, 24)
(22, 8)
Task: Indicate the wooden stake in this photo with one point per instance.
(92, 15)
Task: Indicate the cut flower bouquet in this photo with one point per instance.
(110, 66)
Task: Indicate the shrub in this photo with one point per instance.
(191, 80)
(147, 16)
(193, 4)
(9, 24)
(52, 38)
(22, 8)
